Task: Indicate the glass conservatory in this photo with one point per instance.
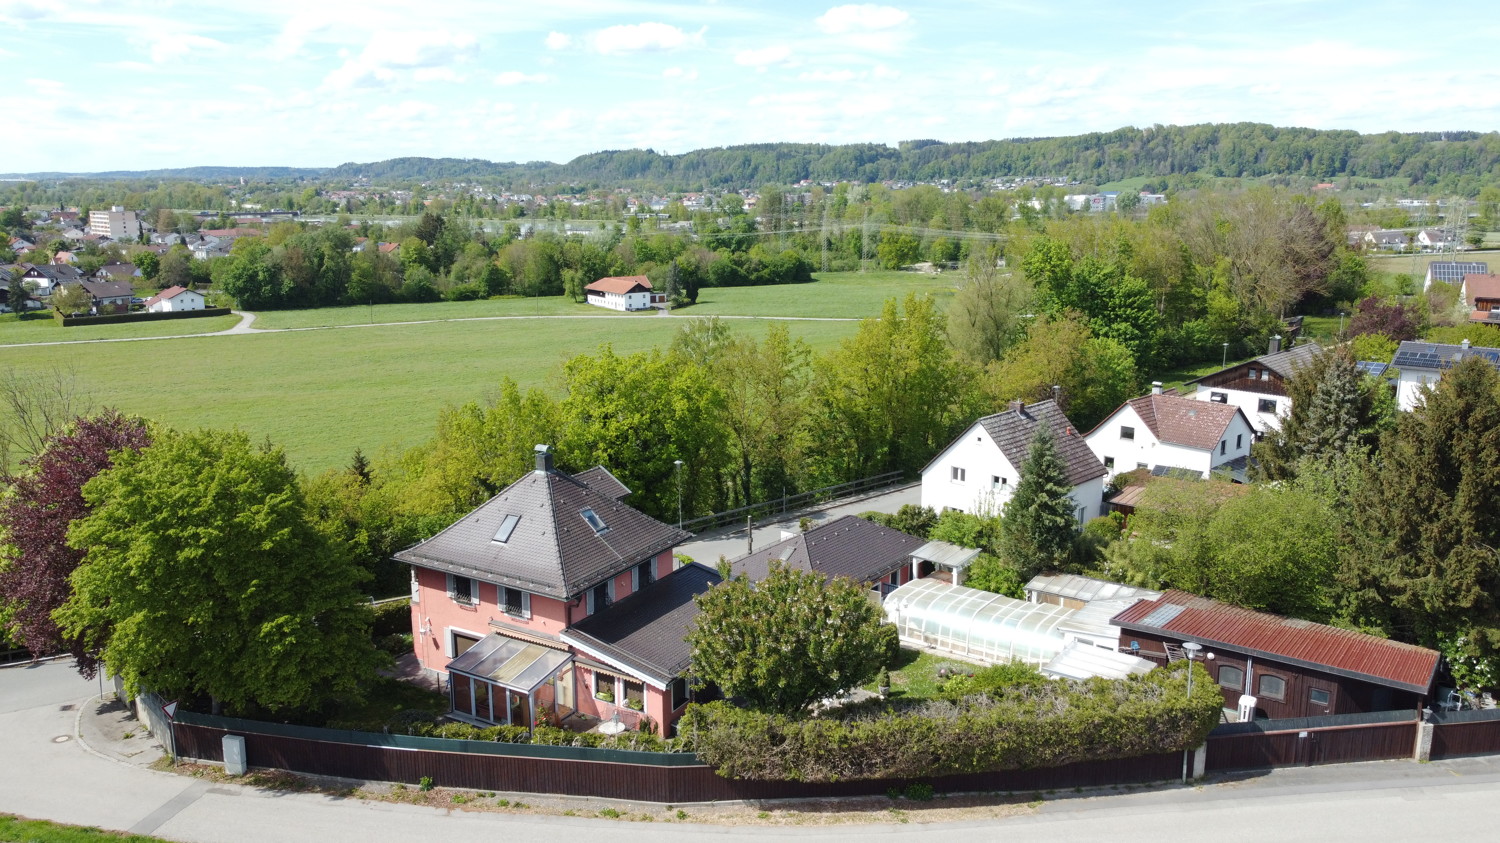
(975, 625)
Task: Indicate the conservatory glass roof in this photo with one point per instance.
(976, 624)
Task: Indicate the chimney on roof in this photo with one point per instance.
(1275, 344)
(1156, 387)
(1057, 394)
(543, 458)
(1464, 344)
(1017, 405)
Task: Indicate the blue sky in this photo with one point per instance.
(134, 84)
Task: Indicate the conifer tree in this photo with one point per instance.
(1039, 525)
(1335, 411)
(1421, 561)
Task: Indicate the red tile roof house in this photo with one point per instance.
(554, 593)
(175, 299)
(1482, 297)
(1160, 431)
(629, 292)
(1292, 668)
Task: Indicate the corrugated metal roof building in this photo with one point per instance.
(1293, 667)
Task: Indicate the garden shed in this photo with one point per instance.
(975, 625)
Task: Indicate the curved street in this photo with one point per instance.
(64, 763)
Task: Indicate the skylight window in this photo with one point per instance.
(507, 526)
(595, 521)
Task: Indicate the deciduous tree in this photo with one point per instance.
(204, 577)
(789, 640)
(35, 559)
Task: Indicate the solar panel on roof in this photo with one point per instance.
(1162, 615)
(1372, 367)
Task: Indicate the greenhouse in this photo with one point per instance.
(976, 625)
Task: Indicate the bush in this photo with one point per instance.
(392, 618)
(466, 732)
(912, 519)
(1033, 725)
(397, 644)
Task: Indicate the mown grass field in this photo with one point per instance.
(849, 295)
(321, 394)
(13, 330)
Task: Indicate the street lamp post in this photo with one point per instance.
(1191, 648)
(1224, 361)
(678, 469)
(1341, 324)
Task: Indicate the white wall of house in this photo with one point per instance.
(1251, 404)
(1144, 450)
(973, 475)
(1409, 386)
(188, 300)
(620, 301)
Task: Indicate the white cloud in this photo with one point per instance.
(389, 51)
(643, 37)
(516, 77)
(436, 74)
(845, 75)
(685, 74)
(170, 46)
(860, 17)
(764, 57)
(558, 41)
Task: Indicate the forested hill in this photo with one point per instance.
(1450, 161)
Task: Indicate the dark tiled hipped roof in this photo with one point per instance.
(551, 550)
(601, 480)
(1286, 363)
(1338, 651)
(1013, 430)
(647, 630)
(844, 547)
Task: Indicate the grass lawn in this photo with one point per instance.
(13, 330)
(916, 674)
(850, 295)
(1417, 264)
(385, 699)
(45, 831)
(321, 394)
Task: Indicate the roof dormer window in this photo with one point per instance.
(507, 526)
(593, 519)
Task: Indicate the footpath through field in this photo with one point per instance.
(247, 320)
(68, 759)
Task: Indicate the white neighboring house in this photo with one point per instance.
(175, 300)
(1159, 431)
(1422, 364)
(978, 471)
(1258, 387)
(627, 292)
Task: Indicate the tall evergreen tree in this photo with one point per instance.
(1421, 561)
(1039, 525)
(1336, 410)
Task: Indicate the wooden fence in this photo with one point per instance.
(680, 778)
(1459, 733)
(670, 778)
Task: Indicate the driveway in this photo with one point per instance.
(51, 772)
(730, 543)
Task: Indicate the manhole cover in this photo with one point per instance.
(61, 739)
(68, 707)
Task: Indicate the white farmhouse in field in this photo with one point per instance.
(979, 470)
(627, 292)
(1163, 432)
(1258, 387)
(1422, 364)
(175, 300)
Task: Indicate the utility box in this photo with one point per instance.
(234, 755)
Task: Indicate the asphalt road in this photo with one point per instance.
(48, 772)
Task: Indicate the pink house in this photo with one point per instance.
(555, 595)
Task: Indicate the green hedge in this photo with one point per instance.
(138, 316)
(544, 735)
(393, 618)
(1027, 726)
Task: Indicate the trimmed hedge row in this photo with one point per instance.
(543, 735)
(139, 316)
(1026, 726)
